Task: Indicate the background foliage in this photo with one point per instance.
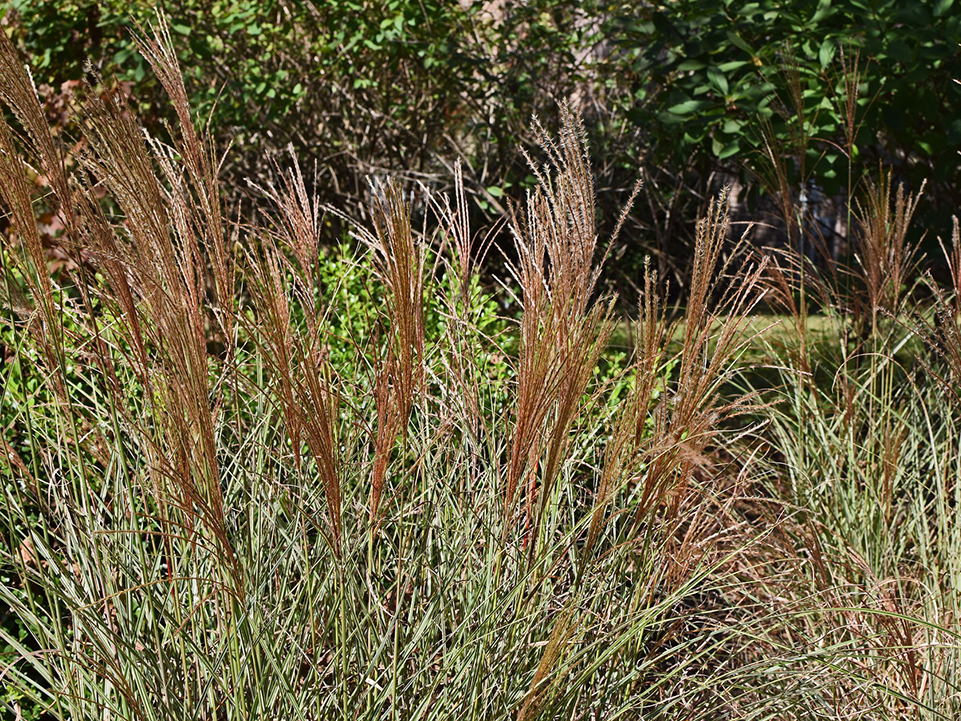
(682, 92)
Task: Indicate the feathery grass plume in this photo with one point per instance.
(888, 263)
(794, 111)
(630, 426)
(20, 95)
(284, 281)
(774, 173)
(805, 241)
(41, 320)
(455, 222)
(167, 268)
(563, 332)
(852, 112)
(886, 259)
(399, 263)
(17, 92)
(684, 427)
(775, 177)
(197, 153)
(941, 329)
(306, 389)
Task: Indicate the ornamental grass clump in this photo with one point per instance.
(562, 329)
(250, 476)
(246, 478)
(860, 451)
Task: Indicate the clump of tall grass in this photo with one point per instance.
(220, 503)
(245, 478)
(861, 449)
